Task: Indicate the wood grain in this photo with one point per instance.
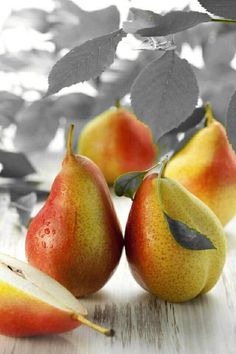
(143, 323)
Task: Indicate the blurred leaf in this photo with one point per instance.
(74, 106)
(34, 60)
(10, 104)
(77, 26)
(24, 206)
(84, 62)
(11, 62)
(4, 202)
(20, 187)
(221, 50)
(127, 184)
(148, 23)
(115, 83)
(165, 93)
(36, 126)
(188, 237)
(225, 8)
(15, 164)
(231, 121)
(32, 18)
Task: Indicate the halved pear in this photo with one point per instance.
(32, 303)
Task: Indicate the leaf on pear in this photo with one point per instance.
(15, 164)
(147, 23)
(231, 121)
(225, 8)
(84, 62)
(128, 184)
(188, 237)
(24, 206)
(165, 93)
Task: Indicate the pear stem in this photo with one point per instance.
(107, 332)
(117, 104)
(209, 114)
(70, 140)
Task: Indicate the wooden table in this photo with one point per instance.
(143, 324)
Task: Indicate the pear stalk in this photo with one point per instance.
(107, 332)
(70, 140)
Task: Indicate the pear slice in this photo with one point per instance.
(32, 303)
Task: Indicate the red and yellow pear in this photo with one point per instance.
(76, 237)
(206, 166)
(118, 143)
(172, 270)
(32, 303)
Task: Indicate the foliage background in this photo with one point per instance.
(35, 34)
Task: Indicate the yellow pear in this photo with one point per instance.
(206, 166)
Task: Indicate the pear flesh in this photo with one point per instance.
(32, 303)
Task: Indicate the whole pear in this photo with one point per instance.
(118, 143)
(76, 237)
(159, 263)
(206, 166)
(32, 303)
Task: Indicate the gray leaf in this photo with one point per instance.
(24, 206)
(225, 8)
(188, 237)
(147, 23)
(15, 164)
(165, 93)
(84, 62)
(231, 121)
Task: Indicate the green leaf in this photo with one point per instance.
(128, 184)
(231, 121)
(165, 93)
(188, 237)
(225, 8)
(148, 23)
(84, 62)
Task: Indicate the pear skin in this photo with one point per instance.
(118, 143)
(206, 166)
(160, 264)
(76, 237)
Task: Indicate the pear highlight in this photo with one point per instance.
(32, 303)
(76, 237)
(177, 257)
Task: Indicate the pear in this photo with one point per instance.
(76, 237)
(118, 143)
(32, 303)
(206, 166)
(165, 241)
